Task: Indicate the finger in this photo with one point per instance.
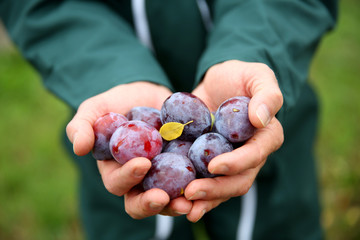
(253, 153)
(266, 96)
(178, 206)
(221, 187)
(201, 93)
(81, 134)
(200, 207)
(80, 129)
(118, 179)
(139, 204)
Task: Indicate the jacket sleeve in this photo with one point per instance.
(80, 48)
(281, 34)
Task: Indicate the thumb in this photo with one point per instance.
(264, 104)
(81, 134)
(80, 129)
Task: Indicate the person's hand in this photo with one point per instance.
(241, 166)
(123, 179)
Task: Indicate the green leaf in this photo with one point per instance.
(172, 130)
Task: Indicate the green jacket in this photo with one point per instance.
(82, 48)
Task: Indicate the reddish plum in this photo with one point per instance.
(104, 127)
(135, 139)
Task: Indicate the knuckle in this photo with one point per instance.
(135, 208)
(109, 187)
(85, 103)
(69, 129)
(112, 188)
(281, 137)
(129, 211)
(92, 105)
(265, 67)
(278, 97)
(245, 187)
(275, 95)
(277, 134)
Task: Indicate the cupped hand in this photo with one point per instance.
(123, 180)
(119, 99)
(241, 166)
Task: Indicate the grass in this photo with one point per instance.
(37, 180)
(38, 188)
(335, 75)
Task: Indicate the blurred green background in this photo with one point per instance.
(37, 179)
(38, 182)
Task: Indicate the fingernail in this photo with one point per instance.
(263, 114)
(222, 169)
(156, 206)
(74, 141)
(201, 215)
(139, 173)
(181, 213)
(198, 195)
